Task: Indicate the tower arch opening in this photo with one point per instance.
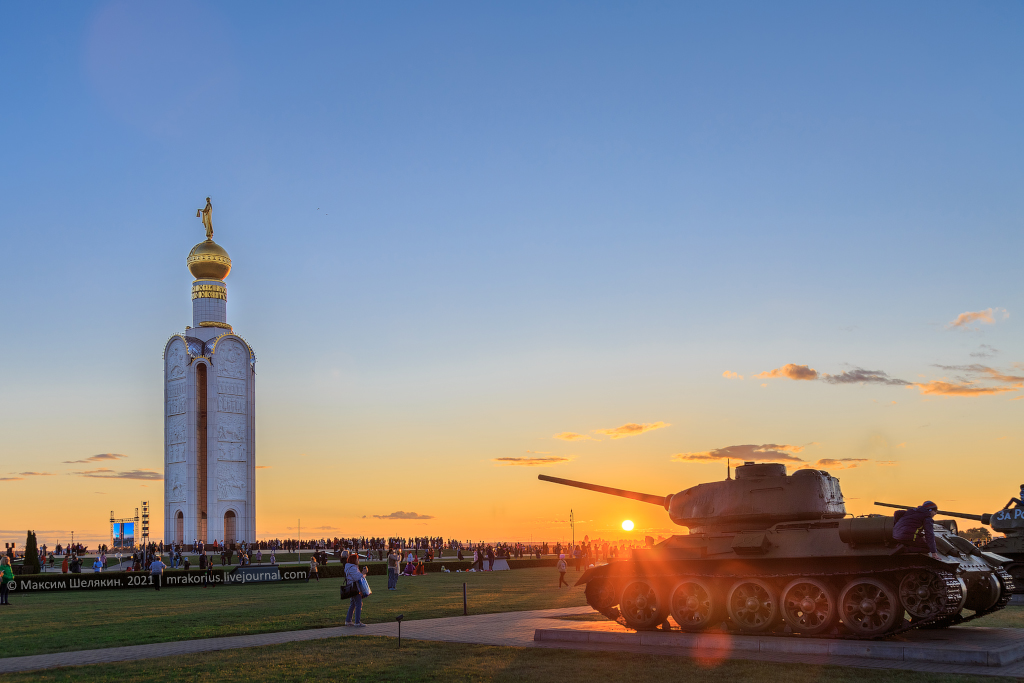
(230, 527)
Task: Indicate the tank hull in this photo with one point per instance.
(843, 578)
(1013, 549)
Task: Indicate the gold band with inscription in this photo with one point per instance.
(210, 323)
(210, 292)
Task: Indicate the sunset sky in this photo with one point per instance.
(472, 244)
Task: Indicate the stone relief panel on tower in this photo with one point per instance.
(176, 360)
(175, 482)
(231, 481)
(176, 438)
(231, 428)
(231, 360)
(176, 385)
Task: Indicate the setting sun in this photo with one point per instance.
(627, 525)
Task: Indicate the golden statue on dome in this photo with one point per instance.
(208, 260)
(207, 216)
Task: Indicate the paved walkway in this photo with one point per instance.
(504, 629)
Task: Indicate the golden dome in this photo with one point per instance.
(209, 261)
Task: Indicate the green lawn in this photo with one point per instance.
(1010, 617)
(378, 659)
(58, 622)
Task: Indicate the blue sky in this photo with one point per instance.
(460, 229)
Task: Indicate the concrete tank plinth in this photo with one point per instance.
(989, 651)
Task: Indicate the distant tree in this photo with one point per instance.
(31, 553)
(977, 534)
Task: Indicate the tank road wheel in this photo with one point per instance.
(601, 596)
(641, 606)
(869, 607)
(809, 606)
(923, 594)
(693, 605)
(752, 605)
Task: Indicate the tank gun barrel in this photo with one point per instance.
(633, 495)
(984, 519)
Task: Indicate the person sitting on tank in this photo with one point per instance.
(913, 528)
(1016, 502)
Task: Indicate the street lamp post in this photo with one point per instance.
(572, 524)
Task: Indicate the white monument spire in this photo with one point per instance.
(209, 413)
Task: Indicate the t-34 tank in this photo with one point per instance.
(1009, 521)
(767, 550)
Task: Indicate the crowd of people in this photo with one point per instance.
(412, 553)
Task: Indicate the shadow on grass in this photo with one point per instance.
(378, 659)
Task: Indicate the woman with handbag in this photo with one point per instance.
(355, 577)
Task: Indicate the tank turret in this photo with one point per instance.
(760, 496)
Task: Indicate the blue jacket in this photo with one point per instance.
(911, 523)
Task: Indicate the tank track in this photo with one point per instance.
(1009, 588)
(954, 597)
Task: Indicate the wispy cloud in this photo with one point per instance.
(975, 370)
(531, 462)
(987, 317)
(770, 452)
(729, 374)
(35, 474)
(106, 473)
(573, 436)
(791, 371)
(962, 389)
(631, 429)
(841, 463)
(404, 515)
(854, 376)
(263, 467)
(12, 478)
(96, 458)
(984, 351)
(862, 376)
(885, 463)
(966, 383)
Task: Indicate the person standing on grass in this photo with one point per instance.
(561, 571)
(156, 569)
(393, 560)
(314, 569)
(6, 576)
(353, 576)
